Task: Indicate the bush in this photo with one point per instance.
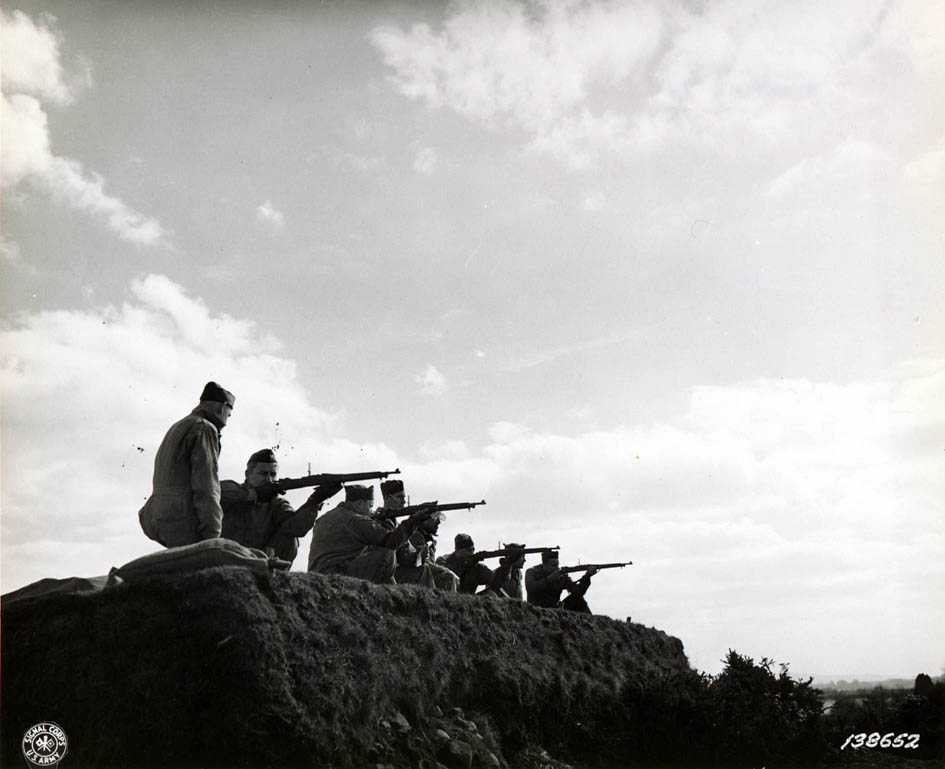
(758, 717)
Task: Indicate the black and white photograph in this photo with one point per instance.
(472, 384)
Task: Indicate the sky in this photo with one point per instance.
(662, 282)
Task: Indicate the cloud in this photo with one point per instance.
(10, 251)
(756, 506)
(431, 381)
(425, 161)
(31, 60)
(111, 380)
(853, 165)
(763, 501)
(584, 80)
(32, 74)
(267, 213)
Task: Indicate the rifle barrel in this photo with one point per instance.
(598, 566)
(285, 484)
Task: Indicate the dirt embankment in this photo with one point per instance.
(226, 668)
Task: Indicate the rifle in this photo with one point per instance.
(268, 491)
(587, 566)
(383, 512)
(484, 554)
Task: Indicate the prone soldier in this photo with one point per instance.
(255, 515)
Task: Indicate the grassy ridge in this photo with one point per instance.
(225, 668)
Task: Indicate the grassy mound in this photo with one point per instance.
(226, 668)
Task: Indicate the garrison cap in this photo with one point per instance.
(213, 392)
(392, 486)
(462, 540)
(547, 555)
(263, 455)
(355, 492)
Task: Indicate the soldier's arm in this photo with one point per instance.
(205, 481)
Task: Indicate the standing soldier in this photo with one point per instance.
(256, 516)
(184, 506)
(544, 584)
(420, 550)
(347, 540)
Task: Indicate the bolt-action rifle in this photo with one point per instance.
(267, 491)
(484, 554)
(588, 566)
(438, 507)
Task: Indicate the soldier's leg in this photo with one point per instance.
(444, 579)
(284, 547)
(414, 575)
(576, 603)
(375, 566)
(177, 532)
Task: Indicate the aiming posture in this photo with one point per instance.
(544, 583)
(416, 557)
(256, 516)
(472, 573)
(347, 540)
(513, 585)
(184, 506)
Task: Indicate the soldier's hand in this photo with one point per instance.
(422, 514)
(591, 572)
(266, 492)
(323, 492)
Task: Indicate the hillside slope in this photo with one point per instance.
(222, 667)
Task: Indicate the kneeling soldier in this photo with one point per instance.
(416, 557)
(544, 584)
(347, 540)
(255, 516)
(472, 572)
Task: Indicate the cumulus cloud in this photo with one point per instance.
(109, 381)
(268, 213)
(431, 381)
(32, 75)
(766, 499)
(759, 503)
(626, 78)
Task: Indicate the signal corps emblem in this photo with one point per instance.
(45, 744)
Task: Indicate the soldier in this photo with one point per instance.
(347, 540)
(513, 585)
(184, 506)
(416, 557)
(255, 516)
(544, 583)
(473, 573)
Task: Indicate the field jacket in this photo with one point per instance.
(184, 506)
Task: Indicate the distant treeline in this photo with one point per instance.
(835, 687)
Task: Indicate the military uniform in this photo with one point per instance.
(416, 560)
(274, 524)
(347, 542)
(184, 506)
(545, 590)
(473, 574)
